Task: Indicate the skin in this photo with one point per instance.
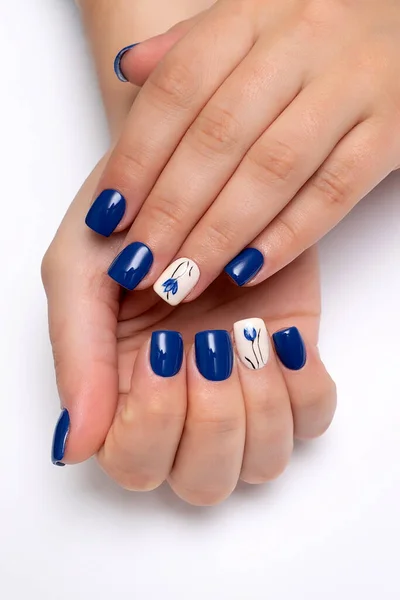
(263, 125)
(200, 436)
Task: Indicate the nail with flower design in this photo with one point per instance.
(252, 342)
(177, 281)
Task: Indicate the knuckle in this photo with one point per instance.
(264, 473)
(333, 184)
(272, 161)
(286, 230)
(54, 266)
(46, 268)
(174, 85)
(220, 237)
(216, 424)
(286, 239)
(158, 413)
(136, 482)
(273, 459)
(199, 497)
(314, 411)
(217, 131)
(128, 165)
(164, 211)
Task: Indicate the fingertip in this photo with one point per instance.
(60, 437)
(120, 64)
(89, 404)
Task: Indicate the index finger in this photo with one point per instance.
(166, 106)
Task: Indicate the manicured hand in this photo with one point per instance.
(160, 395)
(265, 123)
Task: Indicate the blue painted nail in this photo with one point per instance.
(131, 265)
(117, 62)
(290, 348)
(60, 439)
(106, 212)
(245, 266)
(166, 353)
(214, 354)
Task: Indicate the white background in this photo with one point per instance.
(328, 529)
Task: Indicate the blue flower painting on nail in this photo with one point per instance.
(253, 336)
(171, 285)
(250, 333)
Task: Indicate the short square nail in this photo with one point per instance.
(60, 439)
(106, 212)
(131, 265)
(214, 354)
(252, 342)
(177, 281)
(245, 266)
(166, 353)
(290, 348)
(117, 62)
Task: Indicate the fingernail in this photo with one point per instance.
(117, 62)
(60, 439)
(131, 265)
(290, 348)
(166, 353)
(252, 342)
(177, 281)
(214, 354)
(245, 266)
(106, 212)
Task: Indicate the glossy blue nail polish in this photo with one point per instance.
(290, 348)
(166, 353)
(60, 439)
(131, 265)
(245, 266)
(117, 62)
(214, 354)
(106, 212)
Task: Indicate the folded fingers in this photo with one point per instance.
(141, 445)
(228, 412)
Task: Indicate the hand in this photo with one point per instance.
(263, 126)
(147, 428)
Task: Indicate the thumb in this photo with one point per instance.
(135, 63)
(82, 309)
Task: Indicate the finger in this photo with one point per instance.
(269, 422)
(136, 62)
(272, 172)
(208, 463)
(311, 389)
(211, 150)
(82, 320)
(359, 162)
(166, 106)
(140, 448)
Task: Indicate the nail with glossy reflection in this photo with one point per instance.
(117, 62)
(245, 266)
(60, 439)
(131, 265)
(214, 354)
(166, 353)
(106, 212)
(177, 281)
(290, 348)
